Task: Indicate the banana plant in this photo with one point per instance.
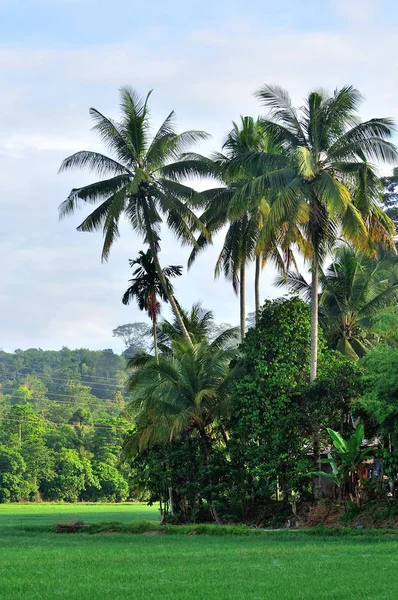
(346, 459)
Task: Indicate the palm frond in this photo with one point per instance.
(110, 132)
(280, 107)
(296, 283)
(101, 164)
(92, 193)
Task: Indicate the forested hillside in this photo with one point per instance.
(61, 425)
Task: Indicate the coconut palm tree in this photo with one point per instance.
(323, 180)
(200, 324)
(244, 239)
(355, 289)
(136, 185)
(146, 288)
(186, 393)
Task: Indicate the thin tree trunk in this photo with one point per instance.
(155, 339)
(314, 320)
(316, 449)
(257, 286)
(316, 479)
(169, 295)
(242, 285)
(206, 454)
(171, 500)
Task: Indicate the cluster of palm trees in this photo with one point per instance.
(293, 182)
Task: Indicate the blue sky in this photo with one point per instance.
(93, 21)
(203, 59)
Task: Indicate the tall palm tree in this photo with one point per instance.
(321, 180)
(186, 393)
(146, 288)
(244, 240)
(137, 185)
(355, 289)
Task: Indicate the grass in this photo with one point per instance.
(36, 563)
(20, 516)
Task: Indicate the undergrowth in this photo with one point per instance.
(149, 527)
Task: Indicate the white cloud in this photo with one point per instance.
(358, 12)
(19, 141)
(54, 289)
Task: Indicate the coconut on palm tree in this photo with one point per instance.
(147, 289)
(133, 182)
(355, 290)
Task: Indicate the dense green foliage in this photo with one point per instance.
(390, 196)
(275, 405)
(206, 455)
(61, 426)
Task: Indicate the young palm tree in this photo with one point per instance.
(355, 289)
(186, 393)
(321, 180)
(146, 288)
(200, 325)
(136, 185)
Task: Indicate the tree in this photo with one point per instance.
(183, 395)
(323, 180)
(355, 290)
(146, 287)
(39, 462)
(274, 404)
(244, 239)
(200, 324)
(186, 390)
(12, 469)
(268, 422)
(73, 472)
(390, 196)
(139, 186)
(112, 485)
(133, 336)
(380, 397)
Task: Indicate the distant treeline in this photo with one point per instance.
(62, 425)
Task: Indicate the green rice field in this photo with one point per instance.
(37, 563)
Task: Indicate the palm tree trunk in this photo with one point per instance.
(314, 320)
(242, 300)
(155, 339)
(257, 286)
(169, 295)
(316, 479)
(206, 454)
